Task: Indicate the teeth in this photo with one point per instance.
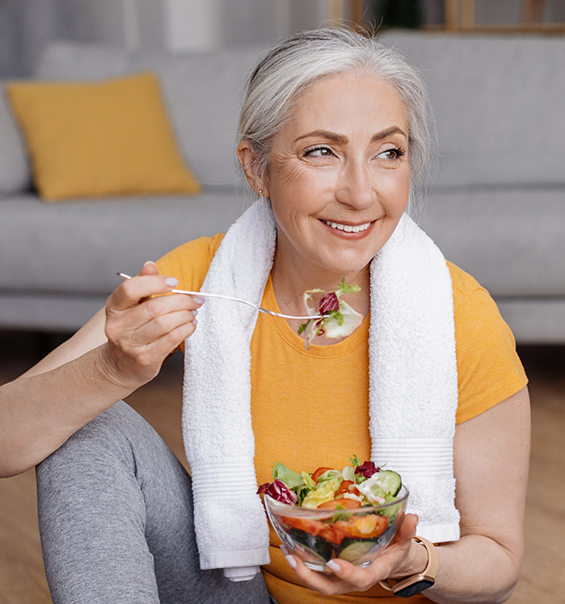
(347, 227)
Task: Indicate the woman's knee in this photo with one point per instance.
(106, 438)
(116, 460)
(95, 469)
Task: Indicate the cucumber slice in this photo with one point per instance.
(391, 511)
(311, 554)
(384, 539)
(318, 546)
(354, 549)
(391, 481)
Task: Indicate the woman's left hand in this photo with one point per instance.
(403, 557)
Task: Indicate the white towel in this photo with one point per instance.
(413, 395)
(413, 375)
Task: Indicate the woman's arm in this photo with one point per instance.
(492, 453)
(491, 456)
(121, 348)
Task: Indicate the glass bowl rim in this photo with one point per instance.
(287, 509)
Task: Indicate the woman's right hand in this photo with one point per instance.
(105, 361)
(144, 327)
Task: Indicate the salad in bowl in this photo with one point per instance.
(339, 320)
(351, 513)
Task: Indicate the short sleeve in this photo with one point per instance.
(489, 369)
(190, 262)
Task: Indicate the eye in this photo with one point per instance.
(391, 154)
(318, 152)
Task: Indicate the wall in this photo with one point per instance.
(508, 11)
(193, 24)
(27, 25)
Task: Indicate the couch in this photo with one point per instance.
(495, 205)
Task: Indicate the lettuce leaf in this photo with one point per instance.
(342, 323)
(347, 289)
(322, 493)
(340, 319)
(291, 478)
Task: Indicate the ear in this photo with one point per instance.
(248, 160)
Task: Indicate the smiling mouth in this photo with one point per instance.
(348, 228)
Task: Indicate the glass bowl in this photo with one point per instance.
(356, 535)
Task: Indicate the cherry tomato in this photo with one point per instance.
(344, 503)
(304, 524)
(361, 527)
(319, 472)
(347, 486)
(330, 535)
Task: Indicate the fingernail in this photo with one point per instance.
(149, 262)
(198, 299)
(195, 321)
(290, 559)
(171, 281)
(195, 312)
(333, 566)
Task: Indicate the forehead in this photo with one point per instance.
(349, 99)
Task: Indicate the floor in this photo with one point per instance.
(22, 580)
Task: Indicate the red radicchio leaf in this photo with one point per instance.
(279, 492)
(367, 469)
(328, 303)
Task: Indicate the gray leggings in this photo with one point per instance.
(115, 516)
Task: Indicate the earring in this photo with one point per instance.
(260, 193)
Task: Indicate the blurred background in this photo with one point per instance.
(26, 26)
(518, 244)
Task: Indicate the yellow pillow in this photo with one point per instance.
(98, 138)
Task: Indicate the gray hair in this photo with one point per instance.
(290, 68)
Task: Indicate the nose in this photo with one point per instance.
(355, 187)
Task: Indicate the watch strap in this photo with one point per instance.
(410, 586)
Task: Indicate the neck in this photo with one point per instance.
(292, 279)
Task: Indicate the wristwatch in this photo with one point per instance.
(406, 588)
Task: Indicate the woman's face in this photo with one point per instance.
(339, 177)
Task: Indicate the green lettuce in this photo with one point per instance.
(291, 478)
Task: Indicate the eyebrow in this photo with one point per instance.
(384, 133)
(340, 138)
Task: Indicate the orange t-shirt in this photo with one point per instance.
(310, 408)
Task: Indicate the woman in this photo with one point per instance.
(333, 138)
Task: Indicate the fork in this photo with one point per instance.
(221, 297)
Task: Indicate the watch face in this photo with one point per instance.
(415, 588)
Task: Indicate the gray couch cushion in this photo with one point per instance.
(498, 102)
(15, 172)
(534, 320)
(78, 247)
(203, 90)
(49, 312)
(511, 241)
